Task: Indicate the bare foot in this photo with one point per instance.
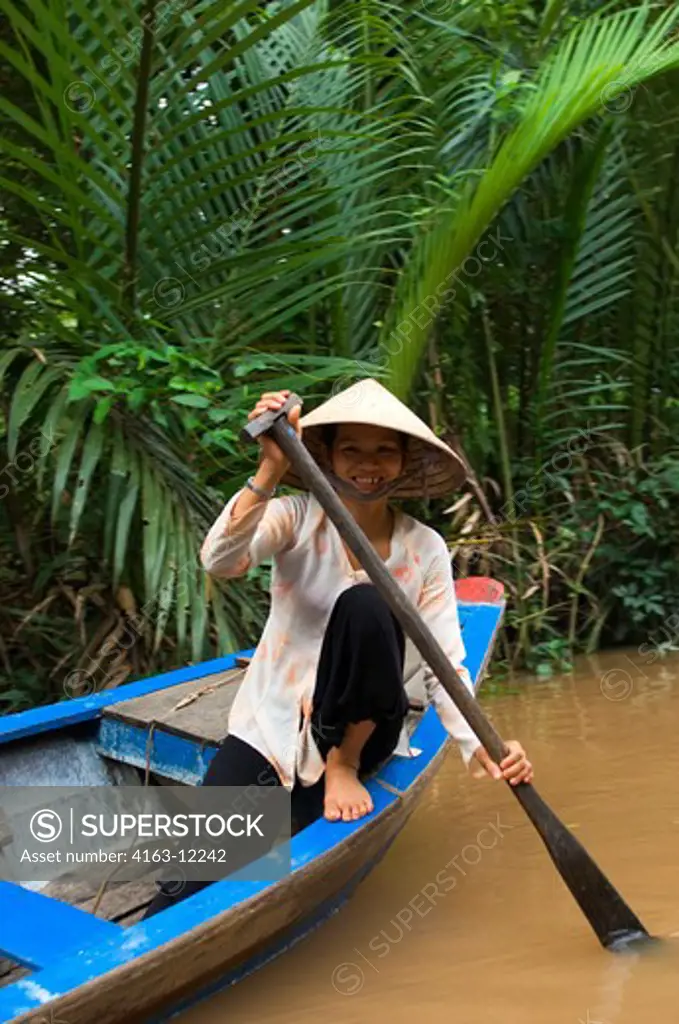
(346, 799)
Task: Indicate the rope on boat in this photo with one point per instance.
(149, 745)
(147, 773)
(388, 786)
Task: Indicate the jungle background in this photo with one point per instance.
(475, 202)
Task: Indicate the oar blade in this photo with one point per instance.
(616, 926)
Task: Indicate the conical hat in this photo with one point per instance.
(432, 469)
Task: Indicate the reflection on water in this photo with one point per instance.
(466, 919)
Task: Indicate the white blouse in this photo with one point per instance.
(310, 570)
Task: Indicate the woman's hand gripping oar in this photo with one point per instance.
(614, 923)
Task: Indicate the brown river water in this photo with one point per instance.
(497, 936)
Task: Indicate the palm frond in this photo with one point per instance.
(604, 57)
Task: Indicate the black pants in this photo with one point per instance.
(359, 678)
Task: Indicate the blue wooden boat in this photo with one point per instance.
(64, 963)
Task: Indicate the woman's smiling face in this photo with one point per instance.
(366, 455)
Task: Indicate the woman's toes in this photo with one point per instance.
(332, 811)
(350, 812)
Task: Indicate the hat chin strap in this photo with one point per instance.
(347, 489)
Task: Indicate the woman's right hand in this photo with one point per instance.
(272, 457)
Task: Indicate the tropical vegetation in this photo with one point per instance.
(474, 201)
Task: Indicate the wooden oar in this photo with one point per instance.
(614, 923)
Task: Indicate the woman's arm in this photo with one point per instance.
(438, 607)
(238, 542)
(251, 529)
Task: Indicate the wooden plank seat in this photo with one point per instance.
(174, 732)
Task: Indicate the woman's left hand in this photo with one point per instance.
(514, 768)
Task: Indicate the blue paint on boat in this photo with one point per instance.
(176, 757)
(33, 946)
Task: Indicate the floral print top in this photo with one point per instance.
(310, 569)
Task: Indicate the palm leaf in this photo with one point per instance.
(91, 454)
(595, 266)
(126, 512)
(30, 388)
(601, 59)
(71, 427)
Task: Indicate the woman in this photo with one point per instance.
(323, 701)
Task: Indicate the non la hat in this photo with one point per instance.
(432, 469)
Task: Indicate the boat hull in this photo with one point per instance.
(100, 971)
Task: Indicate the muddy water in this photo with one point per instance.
(467, 920)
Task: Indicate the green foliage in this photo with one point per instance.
(637, 558)
(474, 202)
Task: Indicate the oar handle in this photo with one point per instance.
(285, 436)
(262, 424)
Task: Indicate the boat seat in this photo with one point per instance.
(173, 732)
(35, 930)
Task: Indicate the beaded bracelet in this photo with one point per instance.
(259, 491)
